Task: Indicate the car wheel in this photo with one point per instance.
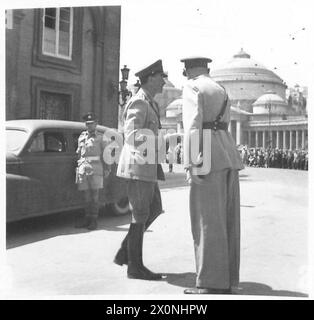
(121, 207)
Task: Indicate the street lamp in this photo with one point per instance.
(268, 107)
(124, 93)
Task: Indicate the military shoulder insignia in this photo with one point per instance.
(195, 89)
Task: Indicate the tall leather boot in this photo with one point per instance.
(136, 268)
(121, 256)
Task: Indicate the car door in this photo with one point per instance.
(49, 163)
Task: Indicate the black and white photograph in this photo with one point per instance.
(156, 150)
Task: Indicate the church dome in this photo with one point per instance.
(243, 68)
(269, 97)
(270, 100)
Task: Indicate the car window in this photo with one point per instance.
(54, 142)
(15, 139)
(38, 144)
(48, 142)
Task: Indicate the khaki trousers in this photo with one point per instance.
(215, 224)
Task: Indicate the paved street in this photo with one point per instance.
(47, 256)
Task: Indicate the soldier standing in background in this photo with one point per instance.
(214, 193)
(90, 170)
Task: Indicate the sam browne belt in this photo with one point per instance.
(215, 125)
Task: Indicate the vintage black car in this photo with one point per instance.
(40, 165)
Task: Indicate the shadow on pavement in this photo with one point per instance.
(184, 280)
(253, 288)
(187, 280)
(41, 228)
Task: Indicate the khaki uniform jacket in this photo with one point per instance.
(90, 150)
(202, 101)
(141, 113)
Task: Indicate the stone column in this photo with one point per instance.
(297, 139)
(303, 139)
(264, 139)
(277, 139)
(291, 136)
(284, 144)
(178, 127)
(13, 50)
(256, 138)
(238, 135)
(270, 138)
(245, 137)
(249, 139)
(97, 78)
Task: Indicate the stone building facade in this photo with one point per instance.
(62, 63)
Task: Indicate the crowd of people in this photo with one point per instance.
(259, 157)
(275, 158)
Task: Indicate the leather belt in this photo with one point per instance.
(215, 125)
(93, 158)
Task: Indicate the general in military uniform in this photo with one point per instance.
(141, 113)
(214, 181)
(90, 170)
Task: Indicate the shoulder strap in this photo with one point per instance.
(224, 106)
(151, 103)
(157, 113)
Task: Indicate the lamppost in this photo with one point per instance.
(268, 107)
(124, 93)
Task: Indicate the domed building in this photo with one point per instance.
(260, 114)
(246, 80)
(278, 105)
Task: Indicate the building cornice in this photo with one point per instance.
(264, 124)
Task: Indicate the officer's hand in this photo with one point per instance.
(188, 177)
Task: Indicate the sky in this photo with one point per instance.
(278, 34)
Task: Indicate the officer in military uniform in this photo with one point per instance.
(141, 113)
(90, 170)
(213, 178)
